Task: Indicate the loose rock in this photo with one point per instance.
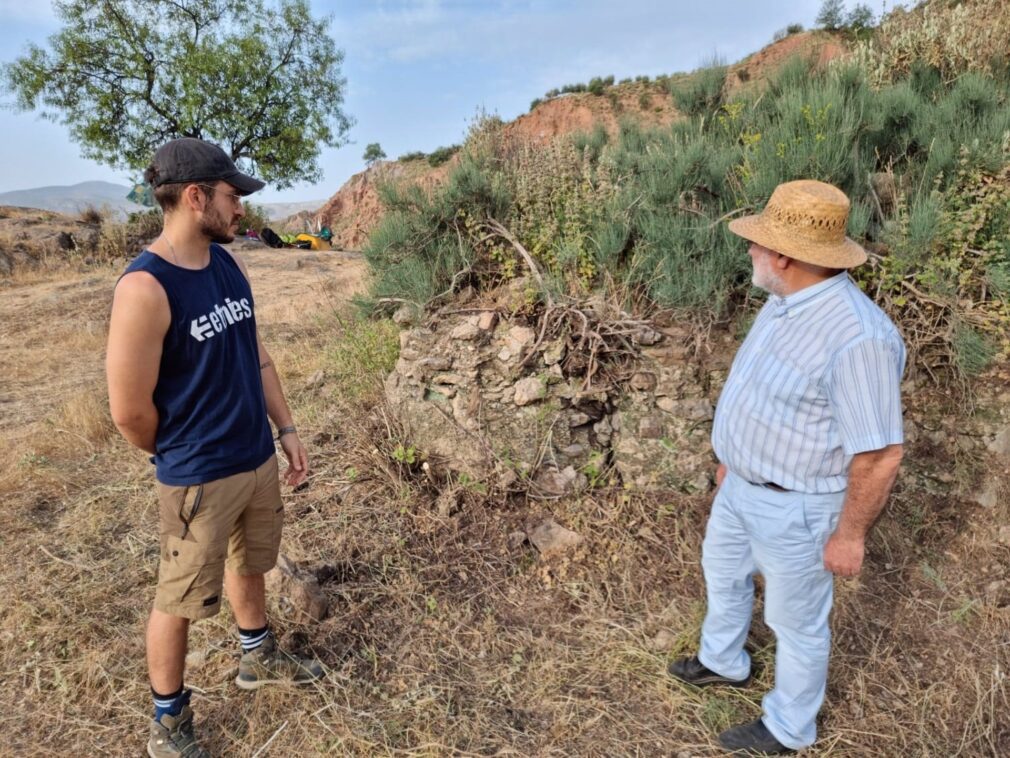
(406, 315)
(487, 320)
(297, 590)
(516, 540)
(650, 428)
(554, 352)
(466, 331)
(643, 381)
(1000, 444)
(529, 390)
(550, 538)
(519, 337)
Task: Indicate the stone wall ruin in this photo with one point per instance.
(484, 395)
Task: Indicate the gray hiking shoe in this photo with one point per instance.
(268, 664)
(172, 736)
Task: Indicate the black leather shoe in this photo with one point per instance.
(693, 671)
(752, 739)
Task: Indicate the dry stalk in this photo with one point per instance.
(497, 228)
(606, 341)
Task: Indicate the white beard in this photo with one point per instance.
(769, 281)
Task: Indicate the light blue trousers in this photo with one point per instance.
(780, 535)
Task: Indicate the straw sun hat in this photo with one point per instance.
(804, 220)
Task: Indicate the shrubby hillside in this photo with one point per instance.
(914, 126)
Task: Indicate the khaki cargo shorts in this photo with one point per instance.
(234, 521)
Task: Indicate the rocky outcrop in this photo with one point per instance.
(482, 394)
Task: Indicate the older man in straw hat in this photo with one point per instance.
(808, 434)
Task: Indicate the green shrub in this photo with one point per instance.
(360, 355)
(645, 210)
(591, 143)
(788, 31)
(973, 351)
(440, 155)
(701, 93)
(925, 79)
(255, 218)
(898, 126)
(997, 276)
(953, 37)
(416, 155)
(536, 101)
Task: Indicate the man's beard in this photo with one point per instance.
(766, 279)
(214, 226)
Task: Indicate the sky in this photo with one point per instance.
(418, 71)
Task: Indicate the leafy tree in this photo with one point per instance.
(127, 75)
(860, 17)
(373, 153)
(830, 16)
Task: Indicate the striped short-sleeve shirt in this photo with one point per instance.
(817, 380)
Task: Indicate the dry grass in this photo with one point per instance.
(92, 215)
(444, 637)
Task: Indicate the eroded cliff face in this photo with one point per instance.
(355, 210)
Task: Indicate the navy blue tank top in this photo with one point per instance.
(212, 416)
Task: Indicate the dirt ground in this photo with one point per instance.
(448, 634)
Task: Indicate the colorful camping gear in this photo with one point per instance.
(316, 243)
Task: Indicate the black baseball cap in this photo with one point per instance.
(188, 159)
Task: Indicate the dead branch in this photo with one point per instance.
(505, 234)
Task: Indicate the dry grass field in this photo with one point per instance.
(448, 634)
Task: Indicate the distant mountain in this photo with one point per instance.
(283, 210)
(76, 197)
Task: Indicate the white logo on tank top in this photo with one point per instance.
(220, 318)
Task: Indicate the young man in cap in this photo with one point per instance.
(808, 433)
(191, 383)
